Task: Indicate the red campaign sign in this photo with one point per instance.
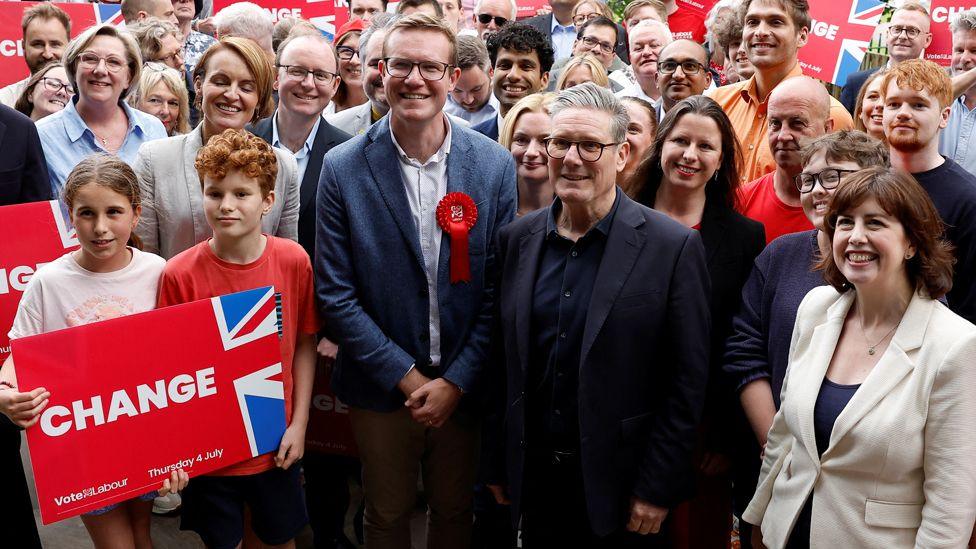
(529, 8)
(195, 386)
(321, 13)
(840, 33)
(12, 65)
(943, 11)
(33, 234)
(329, 430)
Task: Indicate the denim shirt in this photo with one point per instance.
(67, 140)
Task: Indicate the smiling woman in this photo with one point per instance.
(47, 92)
(233, 83)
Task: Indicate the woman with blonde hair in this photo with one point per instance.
(526, 125)
(583, 68)
(162, 94)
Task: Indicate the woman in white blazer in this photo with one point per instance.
(874, 445)
(233, 81)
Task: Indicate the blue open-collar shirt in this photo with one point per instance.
(67, 140)
(957, 139)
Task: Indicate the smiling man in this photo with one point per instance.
(491, 15)
(410, 310)
(682, 71)
(956, 141)
(917, 95)
(773, 32)
(46, 29)
(907, 37)
(471, 98)
(646, 40)
(521, 58)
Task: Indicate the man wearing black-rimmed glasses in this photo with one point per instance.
(682, 71)
(407, 216)
(600, 348)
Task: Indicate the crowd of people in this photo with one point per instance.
(582, 282)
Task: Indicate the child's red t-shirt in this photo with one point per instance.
(198, 273)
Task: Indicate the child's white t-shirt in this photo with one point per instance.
(62, 294)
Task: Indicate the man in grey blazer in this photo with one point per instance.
(409, 305)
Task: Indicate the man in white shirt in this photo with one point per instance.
(471, 98)
(646, 40)
(46, 33)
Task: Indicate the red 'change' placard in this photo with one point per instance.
(32, 234)
(194, 386)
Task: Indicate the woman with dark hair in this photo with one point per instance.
(691, 175)
(47, 92)
(350, 92)
(873, 445)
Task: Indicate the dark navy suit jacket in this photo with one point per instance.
(23, 171)
(848, 95)
(370, 276)
(643, 363)
(488, 128)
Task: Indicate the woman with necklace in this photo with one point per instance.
(873, 445)
(233, 83)
(102, 65)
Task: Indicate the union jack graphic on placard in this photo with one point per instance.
(262, 402)
(69, 237)
(109, 13)
(246, 316)
(839, 37)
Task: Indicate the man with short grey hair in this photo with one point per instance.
(247, 20)
(471, 98)
(603, 330)
(956, 141)
(490, 15)
(645, 41)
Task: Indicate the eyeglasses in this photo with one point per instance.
(589, 151)
(90, 60)
(583, 18)
(55, 85)
(299, 73)
(484, 19)
(176, 56)
(591, 42)
(910, 32)
(828, 178)
(687, 67)
(429, 70)
(346, 52)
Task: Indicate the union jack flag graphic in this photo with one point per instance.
(69, 237)
(109, 13)
(262, 402)
(832, 56)
(247, 316)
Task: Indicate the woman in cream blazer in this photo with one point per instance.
(897, 467)
(233, 82)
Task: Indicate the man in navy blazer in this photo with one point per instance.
(23, 171)
(412, 330)
(601, 343)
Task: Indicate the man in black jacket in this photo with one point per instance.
(23, 171)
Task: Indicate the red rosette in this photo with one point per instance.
(456, 214)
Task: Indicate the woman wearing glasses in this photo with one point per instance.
(102, 65)
(233, 86)
(47, 92)
(588, 10)
(162, 94)
(691, 175)
(756, 352)
(159, 41)
(350, 92)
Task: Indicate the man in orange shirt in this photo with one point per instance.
(773, 31)
(799, 110)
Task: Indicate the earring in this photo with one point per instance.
(909, 255)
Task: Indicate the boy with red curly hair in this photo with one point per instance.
(237, 172)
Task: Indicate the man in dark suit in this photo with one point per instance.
(407, 216)
(23, 171)
(306, 80)
(602, 340)
(558, 26)
(907, 37)
(521, 58)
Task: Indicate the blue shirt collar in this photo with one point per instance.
(76, 127)
(563, 28)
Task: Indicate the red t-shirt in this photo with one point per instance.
(687, 23)
(198, 273)
(758, 200)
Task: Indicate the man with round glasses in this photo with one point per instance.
(407, 216)
(602, 341)
(682, 71)
(907, 37)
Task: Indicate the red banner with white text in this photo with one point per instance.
(840, 33)
(329, 430)
(32, 234)
(195, 386)
(943, 11)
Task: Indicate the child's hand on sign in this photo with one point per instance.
(24, 409)
(176, 482)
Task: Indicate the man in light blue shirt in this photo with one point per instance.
(956, 141)
(471, 98)
(558, 26)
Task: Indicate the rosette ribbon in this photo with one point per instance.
(456, 214)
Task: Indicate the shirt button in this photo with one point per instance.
(567, 293)
(751, 147)
(562, 335)
(575, 253)
(556, 411)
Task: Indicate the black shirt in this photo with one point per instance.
(560, 301)
(953, 191)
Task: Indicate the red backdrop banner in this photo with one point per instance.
(33, 234)
(943, 11)
(196, 386)
(839, 35)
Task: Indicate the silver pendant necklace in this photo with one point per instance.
(872, 349)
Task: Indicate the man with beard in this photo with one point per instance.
(773, 32)
(521, 58)
(916, 95)
(47, 29)
(471, 98)
(799, 110)
(907, 37)
(954, 142)
(682, 71)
